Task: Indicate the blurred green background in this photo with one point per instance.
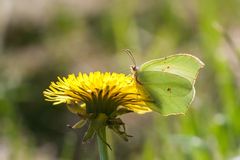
(40, 40)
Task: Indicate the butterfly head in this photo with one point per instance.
(134, 68)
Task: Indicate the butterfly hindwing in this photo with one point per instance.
(170, 94)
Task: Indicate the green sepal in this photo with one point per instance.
(79, 124)
(95, 124)
(89, 133)
(118, 127)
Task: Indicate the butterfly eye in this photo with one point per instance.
(134, 68)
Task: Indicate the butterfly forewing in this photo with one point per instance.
(183, 65)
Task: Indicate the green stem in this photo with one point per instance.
(102, 147)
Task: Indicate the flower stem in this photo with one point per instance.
(102, 147)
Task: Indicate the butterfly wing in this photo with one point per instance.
(170, 82)
(184, 65)
(170, 94)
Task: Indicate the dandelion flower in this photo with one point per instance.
(98, 98)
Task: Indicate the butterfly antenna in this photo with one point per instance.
(129, 52)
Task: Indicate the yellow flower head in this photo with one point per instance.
(94, 95)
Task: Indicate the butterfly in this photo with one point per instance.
(168, 82)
